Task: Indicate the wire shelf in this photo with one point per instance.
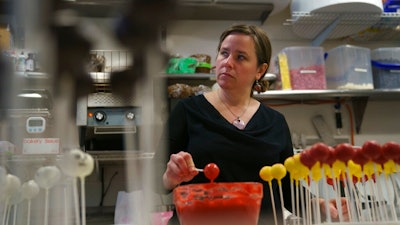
(311, 25)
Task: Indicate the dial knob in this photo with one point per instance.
(130, 116)
(100, 116)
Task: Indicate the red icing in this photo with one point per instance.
(218, 203)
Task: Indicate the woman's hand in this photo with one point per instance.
(180, 168)
(333, 210)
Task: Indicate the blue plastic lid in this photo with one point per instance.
(395, 66)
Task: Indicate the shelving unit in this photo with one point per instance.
(358, 98)
(321, 26)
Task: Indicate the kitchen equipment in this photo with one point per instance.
(236, 203)
(108, 121)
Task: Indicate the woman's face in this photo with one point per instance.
(236, 62)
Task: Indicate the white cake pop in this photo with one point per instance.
(29, 189)
(77, 163)
(16, 197)
(47, 176)
(12, 184)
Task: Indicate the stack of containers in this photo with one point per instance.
(386, 67)
(348, 67)
(302, 68)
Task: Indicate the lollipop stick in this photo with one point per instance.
(8, 212)
(28, 214)
(347, 195)
(373, 208)
(357, 203)
(338, 193)
(303, 210)
(298, 202)
(381, 200)
(282, 202)
(392, 208)
(4, 213)
(325, 185)
(292, 194)
(396, 193)
(366, 200)
(83, 201)
(273, 202)
(76, 200)
(317, 208)
(46, 206)
(15, 207)
(308, 205)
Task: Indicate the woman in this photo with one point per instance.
(228, 126)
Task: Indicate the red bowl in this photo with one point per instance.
(218, 203)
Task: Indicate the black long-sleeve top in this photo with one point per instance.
(197, 127)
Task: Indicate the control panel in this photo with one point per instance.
(109, 116)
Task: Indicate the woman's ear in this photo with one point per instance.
(262, 69)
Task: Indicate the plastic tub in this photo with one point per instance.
(386, 67)
(218, 203)
(392, 6)
(305, 67)
(349, 67)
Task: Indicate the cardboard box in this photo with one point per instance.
(5, 38)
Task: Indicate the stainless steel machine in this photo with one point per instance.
(108, 121)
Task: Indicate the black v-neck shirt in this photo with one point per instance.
(195, 126)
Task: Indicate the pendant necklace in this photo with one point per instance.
(237, 122)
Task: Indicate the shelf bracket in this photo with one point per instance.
(321, 37)
(359, 106)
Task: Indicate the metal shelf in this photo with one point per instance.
(190, 76)
(358, 98)
(322, 26)
(378, 94)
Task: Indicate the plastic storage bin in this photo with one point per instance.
(348, 67)
(302, 68)
(386, 67)
(392, 6)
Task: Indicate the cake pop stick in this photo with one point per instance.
(78, 164)
(300, 174)
(355, 172)
(389, 169)
(46, 177)
(15, 199)
(315, 174)
(278, 172)
(87, 166)
(266, 175)
(29, 190)
(12, 185)
(290, 166)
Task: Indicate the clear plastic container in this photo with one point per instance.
(386, 67)
(235, 203)
(305, 66)
(349, 67)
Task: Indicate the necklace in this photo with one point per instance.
(239, 123)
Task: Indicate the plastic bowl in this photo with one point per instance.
(218, 203)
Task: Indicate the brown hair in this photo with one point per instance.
(262, 46)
